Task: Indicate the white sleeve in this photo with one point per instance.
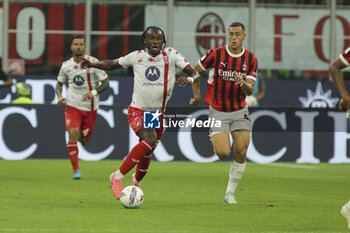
(62, 77)
(180, 61)
(127, 60)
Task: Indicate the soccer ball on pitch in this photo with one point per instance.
(132, 197)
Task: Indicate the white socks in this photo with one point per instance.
(118, 175)
(136, 182)
(235, 175)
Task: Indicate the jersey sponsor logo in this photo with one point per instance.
(230, 75)
(152, 73)
(210, 23)
(78, 80)
(151, 119)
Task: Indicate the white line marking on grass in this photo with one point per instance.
(142, 231)
(89, 230)
(291, 165)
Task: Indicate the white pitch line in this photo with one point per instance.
(291, 165)
(140, 231)
(89, 230)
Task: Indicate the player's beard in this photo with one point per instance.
(78, 53)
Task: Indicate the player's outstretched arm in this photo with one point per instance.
(337, 76)
(59, 87)
(196, 93)
(103, 65)
(7, 83)
(196, 85)
(100, 88)
(338, 79)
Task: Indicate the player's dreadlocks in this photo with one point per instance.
(145, 32)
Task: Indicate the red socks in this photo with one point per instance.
(142, 167)
(136, 156)
(72, 148)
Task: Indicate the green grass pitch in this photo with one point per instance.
(180, 197)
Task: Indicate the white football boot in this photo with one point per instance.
(230, 198)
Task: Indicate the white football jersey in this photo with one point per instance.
(81, 81)
(154, 77)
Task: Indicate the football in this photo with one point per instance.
(132, 197)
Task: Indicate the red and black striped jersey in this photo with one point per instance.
(345, 56)
(222, 93)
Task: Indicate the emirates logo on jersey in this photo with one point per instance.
(230, 75)
(152, 73)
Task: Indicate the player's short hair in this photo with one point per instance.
(148, 29)
(237, 24)
(77, 37)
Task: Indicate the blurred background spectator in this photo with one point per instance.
(23, 93)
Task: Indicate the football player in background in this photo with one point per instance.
(154, 80)
(335, 71)
(232, 75)
(82, 100)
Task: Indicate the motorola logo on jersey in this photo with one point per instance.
(78, 80)
(210, 23)
(152, 73)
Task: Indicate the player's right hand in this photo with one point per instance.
(61, 101)
(344, 104)
(84, 62)
(195, 101)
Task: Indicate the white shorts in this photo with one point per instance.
(230, 121)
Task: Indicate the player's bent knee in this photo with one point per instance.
(240, 156)
(223, 154)
(73, 134)
(84, 141)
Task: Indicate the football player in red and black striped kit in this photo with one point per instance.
(232, 75)
(335, 70)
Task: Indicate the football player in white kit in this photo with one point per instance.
(154, 80)
(82, 100)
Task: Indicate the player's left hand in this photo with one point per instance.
(239, 80)
(195, 100)
(87, 96)
(344, 104)
(183, 82)
(84, 62)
